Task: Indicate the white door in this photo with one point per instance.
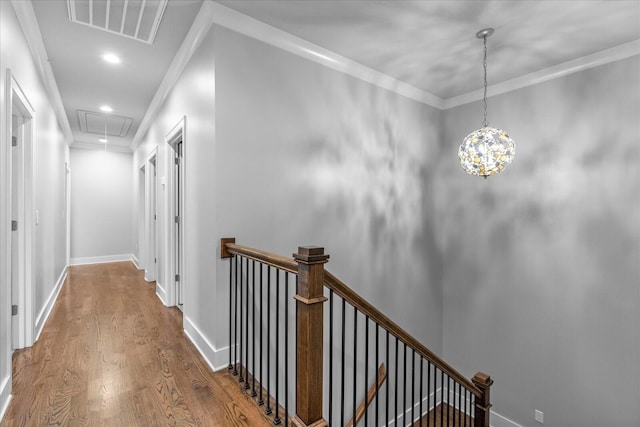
(153, 222)
(178, 230)
(16, 175)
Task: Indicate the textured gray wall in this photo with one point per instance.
(326, 159)
(541, 277)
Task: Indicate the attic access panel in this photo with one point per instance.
(91, 122)
(134, 19)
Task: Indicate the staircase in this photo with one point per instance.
(312, 352)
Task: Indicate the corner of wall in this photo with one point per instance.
(48, 306)
(217, 359)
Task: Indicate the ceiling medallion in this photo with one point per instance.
(488, 150)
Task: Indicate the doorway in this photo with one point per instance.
(175, 204)
(142, 215)
(20, 116)
(151, 222)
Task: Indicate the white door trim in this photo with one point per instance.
(150, 203)
(178, 132)
(26, 227)
(142, 215)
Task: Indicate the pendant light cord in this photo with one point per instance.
(485, 123)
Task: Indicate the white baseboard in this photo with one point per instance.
(136, 262)
(101, 259)
(48, 305)
(498, 420)
(217, 359)
(161, 293)
(5, 395)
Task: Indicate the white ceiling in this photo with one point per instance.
(430, 45)
(86, 82)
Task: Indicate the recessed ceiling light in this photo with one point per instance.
(106, 109)
(111, 58)
(103, 140)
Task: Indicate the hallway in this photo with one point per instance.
(112, 355)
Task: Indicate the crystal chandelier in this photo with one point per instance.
(488, 150)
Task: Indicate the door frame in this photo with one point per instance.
(151, 209)
(142, 216)
(17, 99)
(178, 132)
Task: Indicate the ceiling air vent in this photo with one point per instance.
(91, 122)
(135, 19)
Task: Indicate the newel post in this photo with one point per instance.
(483, 404)
(309, 313)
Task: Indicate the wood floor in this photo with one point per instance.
(111, 354)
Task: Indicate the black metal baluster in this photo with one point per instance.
(342, 373)
(459, 402)
(241, 378)
(413, 385)
(448, 398)
(246, 323)
(429, 394)
(276, 419)
(286, 349)
(404, 385)
(421, 389)
(230, 310)
(441, 398)
(386, 404)
(377, 365)
(260, 399)
(330, 356)
(253, 326)
(235, 324)
(355, 361)
(395, 409)
(366, 373)
(268, 386)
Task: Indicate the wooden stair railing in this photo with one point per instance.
(308, 265)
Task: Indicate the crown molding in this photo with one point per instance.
(253, 28)
(29, 24)
(193, 39)
(95, 146)
(616, 53)
(214, 13)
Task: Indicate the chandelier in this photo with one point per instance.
(488, 150)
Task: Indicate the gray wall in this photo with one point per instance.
(101, 205)
(49, 156)
(541, 276)
(323, 158)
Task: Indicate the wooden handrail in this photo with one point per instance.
(349, 295)
(353, 298)
(268, 258)
(371, 394)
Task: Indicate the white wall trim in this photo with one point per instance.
(102, 259)
(135, 262)
(29, 24)
(161, 293)
(48, 305)
(199, 29)
(217, 359)
(617, 53)
(5, 396)
(258, 30)
(95, 146)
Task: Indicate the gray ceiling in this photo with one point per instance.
(428, 44)
(432, 45)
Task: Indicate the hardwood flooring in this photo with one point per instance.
(111, 354)
(445, 415)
